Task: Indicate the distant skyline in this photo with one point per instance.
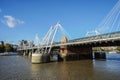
(23, 19)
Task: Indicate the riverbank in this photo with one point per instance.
(8, 53)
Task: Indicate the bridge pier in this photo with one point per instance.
(63, 49)
(40, 58)
(79, 52)
(36, 58)
(75, 52)
(24, 53)
(30, 53)
(20, 52)
(100, 55)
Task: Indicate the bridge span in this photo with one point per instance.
(110, 39)
(80, 48)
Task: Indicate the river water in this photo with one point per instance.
(20, 68)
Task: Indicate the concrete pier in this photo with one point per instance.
(40, 58)
(30, 54)
(36, 58)
(24, 54)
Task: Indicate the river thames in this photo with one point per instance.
(20, 68)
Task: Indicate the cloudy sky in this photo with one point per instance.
(23, 19)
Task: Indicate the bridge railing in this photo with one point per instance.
(103, 36)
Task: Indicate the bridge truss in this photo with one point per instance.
(46, 44)
(111, 23)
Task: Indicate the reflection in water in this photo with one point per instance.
(20, 68)
(106, 70)
(113, 56)
(74, 70)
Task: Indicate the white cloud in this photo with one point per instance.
(11, 22)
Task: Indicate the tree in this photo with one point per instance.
(1, 48)
(118, 48)
(8, 47)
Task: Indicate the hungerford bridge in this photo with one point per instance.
(80, 48)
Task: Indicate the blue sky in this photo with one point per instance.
(23, 19)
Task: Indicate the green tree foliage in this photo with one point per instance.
(1, 48)
(8, 47)
(118, 48)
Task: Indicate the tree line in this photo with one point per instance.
(107, 49)
(118, 48)
(7, 48)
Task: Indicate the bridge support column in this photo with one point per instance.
(19, 52)
(99, 55)
(40, 58)
(36, 58)
(86, 52)
(24, 53)
(77, 52)
(30, 53)
(63, 53)
(63, 49)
